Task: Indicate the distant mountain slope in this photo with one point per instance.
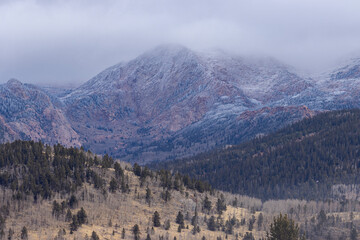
(304, 160)
(28, 112)
(159, 96)
(173, 102)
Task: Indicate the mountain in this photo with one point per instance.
(28, 112)
(133, 109)
(305, 160)
(67, 193)
(173, 102)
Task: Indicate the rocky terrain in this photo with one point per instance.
(173, 102)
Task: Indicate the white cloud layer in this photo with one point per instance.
(66, 42)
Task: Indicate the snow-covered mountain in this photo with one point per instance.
(173, 102)
(28, 112)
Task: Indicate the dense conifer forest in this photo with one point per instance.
(304, 160)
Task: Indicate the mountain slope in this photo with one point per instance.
(130, 107)
(67, 193)
(304, 160)
(28, 112)
(173, 102)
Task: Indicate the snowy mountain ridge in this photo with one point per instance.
(172, 102)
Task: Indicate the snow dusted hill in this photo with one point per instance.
(27, 112)
(136, 109)
(172, 102)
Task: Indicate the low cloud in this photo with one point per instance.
(67, 42)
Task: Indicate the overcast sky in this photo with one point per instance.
(64, 43)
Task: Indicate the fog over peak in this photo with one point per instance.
(65, 43)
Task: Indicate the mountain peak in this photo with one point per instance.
(13, 82)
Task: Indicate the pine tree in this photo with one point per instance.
(123, 233)
(148, 196)
(24, 233)
(180, 220)
(113, 185)
(283, 228)
(353, 234)
(81, 216)
(68, 216)
(207, 204)
(94, 236)
(156, 219)
(212, 226)
(220, 204)
(136, 232)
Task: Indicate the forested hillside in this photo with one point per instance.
(53, 192)
(304, 160)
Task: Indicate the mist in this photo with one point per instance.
(65, 43)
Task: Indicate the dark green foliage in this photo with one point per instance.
(248, 236)
(77, 220)
(73, 202)
(148, 195)
(212, 225)
(74, 225)
(180, 220)
(123, 233)
(283, 228)
(166, 195)
(10, 234)
(81, 216)
(56, 209)
(260, 221)
(353, 234)
(167, 225)
(68, 216)
(220, 204)
(107, 162)
(33, 168)
(300, 161)
(114, 185)
(136, 232)
(137, 169)
(156, 219)
(206, 204)
(94, 236)
(251, 223)
(119, 172)
(24, 233)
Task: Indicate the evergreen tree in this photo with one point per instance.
(260, 221)
(248, 236)
(81, 216)
(283, 228)
(136, 232)
(167, 225)
(207, 204)
(94, 236)
(148, 196)
(24, 233)
(114, 186)
(353, 234)
(220, 204)
(123, 233)
(68, 216)
(180, 220)
(156, 219)
(166, 195)
(212, 226)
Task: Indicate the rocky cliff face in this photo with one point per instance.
(172, 102)
(27, 112)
